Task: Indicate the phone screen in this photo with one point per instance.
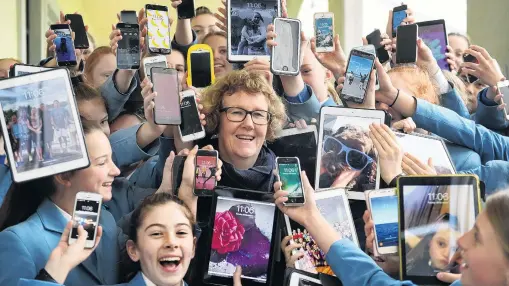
(290, 178)
(186, 9)
(78, 27)
(205, 175)
(397, 18)
(200, 69)
(324, 32)
(357, 74)
(435, 38)
(128, 53)
(384, 211)
(158, 29)
(167, 99)
(406, 44)
(190, 118)
(86, 214)
(504, 90)
(64, 46)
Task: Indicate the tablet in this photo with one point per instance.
(247, 28)
(433, 213)
(424, 147)
(21, 69)
(243, 233)
(298, 279)
(40, 112)
(334, 207)
(346, 156)
(434, 34)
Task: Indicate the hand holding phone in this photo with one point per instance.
(80, 32)
(206, 167)
(128, 51)
(406, 44)
(285, 57)
(200, 66)
(324, 32)
(288, 169)
(358, 75)
(190, 129)
(375, 39)
(467, 58)
(87, 209)
(64, 45)
(383, 205)
(158, 31)
(186, 9)
(167, 102)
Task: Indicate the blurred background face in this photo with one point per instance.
(203, 24)
(459, 45)
(219, 48)
(102, 70)
(314, 74)
(176, 60)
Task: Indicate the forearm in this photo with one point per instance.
(123, 79)
(184, 32)
(191, 202)
(321, 231)
(146, 135)
(292, 85)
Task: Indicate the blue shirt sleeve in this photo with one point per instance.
(454, 102)
(494, 174)
(305, 105)
(488, 114)
(115, 100)
(125, 147)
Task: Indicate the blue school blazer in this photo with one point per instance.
(25, 249)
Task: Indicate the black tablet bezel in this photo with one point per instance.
(435, 22)
(471, 180)
(244, 195)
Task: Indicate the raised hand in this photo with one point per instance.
(288, 246)
(413, 166)
(389, 151)
(335, 61)
(487, 70)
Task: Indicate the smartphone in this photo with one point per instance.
(128, 17)
(200, 66)
(87, 209)
(324, 32)
(190, 129)
(358, 72)
(398, 15)
(128, 52)
(65, 53)
(406, 44)
(383, 205)
(80, 33)
(155, 61)
(470, 59)
(288, 170)
(158, 33)
(167, 101)
(503, 88)
(375, 39)
(186, 9)
(285, 57)
(205, 173)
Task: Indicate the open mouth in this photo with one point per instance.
(218, 66)
(108, 184)
(245, 138)
(170, 263)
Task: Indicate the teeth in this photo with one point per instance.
(176, 259)
(245, 137)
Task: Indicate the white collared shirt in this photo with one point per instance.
(150, 283)
(67, 216)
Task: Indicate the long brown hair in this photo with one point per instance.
(497, 209)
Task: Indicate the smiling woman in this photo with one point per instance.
(217, 41)
(100, 65)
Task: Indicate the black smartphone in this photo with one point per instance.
(167, 101)
(201, 70)
(375, 39)
(358, 72)
(205, 173)
(128, 51)
(178, 171)
(398, 15)
(80, 33)
(406, 44)
(129, 17)
(467, 58)
(186, 9)
(288, 169)
(64, 52)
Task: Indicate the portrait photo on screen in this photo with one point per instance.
(434, 218)
(242, 235)
(347, 157)
(435, 37)
(357, 76)
(64, 46)
(206, 167)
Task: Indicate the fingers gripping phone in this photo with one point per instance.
(167, 101)
(358, 73)
(470, 59)
(324, 32)
(406, 44)
(186, 9)
(398, 15)
(80, 33)
(384, 212)
(285, 57)
(128, 52)
(288, 169)
(128, 17)
(375, 39)
(205, 172)
(158, 33)
(190, 129)
(87, 209)
(200, 66)
(64, 52)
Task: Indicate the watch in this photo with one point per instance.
(394, 182)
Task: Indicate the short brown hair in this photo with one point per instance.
(497, 209)
(249, 82)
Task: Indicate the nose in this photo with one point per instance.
(170, 241)
(248, 123)
(217, 54)
(114, 170)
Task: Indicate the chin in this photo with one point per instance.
(107, 194)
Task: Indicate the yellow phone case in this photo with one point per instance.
(199, 47)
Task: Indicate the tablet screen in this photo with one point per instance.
(434, 218)
(435, 38)
(242, 236)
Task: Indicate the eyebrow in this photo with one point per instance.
(103, 156)
(197, 26)
(155, 224)
(105, 117)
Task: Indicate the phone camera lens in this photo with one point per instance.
(285, 68)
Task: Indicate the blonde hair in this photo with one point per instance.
(333, 93)
(497, 210)
(248, 82)
(469, 99)
(418, 82)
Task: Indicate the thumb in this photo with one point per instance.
(236, 276)
(364, 41)
(430, 163)
(448, 277)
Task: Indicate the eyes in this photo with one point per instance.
(159, 234)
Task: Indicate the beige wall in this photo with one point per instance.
(9, 29)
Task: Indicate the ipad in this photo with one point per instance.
(434, 34)
(247, 28)
(424, 147)
(433, 213)
(334, 207)
(40, 112)
(298, 142)
(243, 233)
(21, 69)
(346, 156)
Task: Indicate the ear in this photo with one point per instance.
(64, 179)
(328, 75)
(132, 251)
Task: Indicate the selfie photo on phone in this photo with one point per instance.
(65, 53)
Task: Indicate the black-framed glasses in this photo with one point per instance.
(237, 114)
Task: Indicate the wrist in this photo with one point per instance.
(388, 178)
(57, 272)
(313, 219)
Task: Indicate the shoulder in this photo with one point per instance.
(22, 232)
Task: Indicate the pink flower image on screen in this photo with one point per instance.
(228, 233)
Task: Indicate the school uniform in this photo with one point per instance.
(26, 247)
(5, 181)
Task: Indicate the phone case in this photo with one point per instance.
(177, 172)
(285, 57)
(194, 48)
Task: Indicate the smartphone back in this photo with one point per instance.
(285, 57)
(375, 39)
(129, 17)
(406, 45)
(80, 33)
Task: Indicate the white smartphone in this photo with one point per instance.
(383, 205)
(285, 57)
(288, 171)
(324, 32)
(503, 88)
(87, 209)
(155, 61)
(190, 129)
